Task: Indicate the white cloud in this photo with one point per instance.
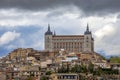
(14, 18)
(8, 37)
(107, 30)
(106, 39)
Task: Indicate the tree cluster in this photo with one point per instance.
(86, 69)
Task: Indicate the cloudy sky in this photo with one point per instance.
(23, 22)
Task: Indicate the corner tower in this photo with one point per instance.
(48, 39)
(88, 41)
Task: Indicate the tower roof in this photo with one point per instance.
(48, 31)
(87, 27)
(87, 30)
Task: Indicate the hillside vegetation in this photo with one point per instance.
(115, 59)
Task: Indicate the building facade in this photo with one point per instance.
(64, 76)
(70, 43)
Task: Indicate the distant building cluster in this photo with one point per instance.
(25, 64)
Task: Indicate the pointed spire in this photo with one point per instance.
(87, 27)
(87, 30)
(48, 31)
(48, 27)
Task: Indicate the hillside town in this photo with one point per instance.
(30, 64)
(66, 57)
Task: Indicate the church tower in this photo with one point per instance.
(48, 39)
(88, 41)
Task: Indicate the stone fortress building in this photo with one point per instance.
(70, 43)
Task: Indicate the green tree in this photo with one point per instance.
(91, 68)
(76, 69)
(63, 69)
(83, 69)
(114, 59)
(48, 73)
(30, 78)
(43, 78)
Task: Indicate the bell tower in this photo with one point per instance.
(88, 41)
(48, 39)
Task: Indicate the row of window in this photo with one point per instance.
(68, 46)
(67, 77)
(68, 39)
(70, 49)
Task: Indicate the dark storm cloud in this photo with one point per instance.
(87, 6)
(31, 4)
